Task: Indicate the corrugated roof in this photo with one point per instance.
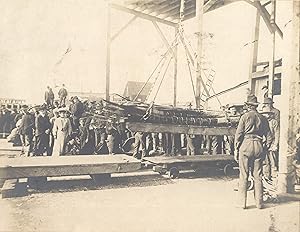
(168, 10)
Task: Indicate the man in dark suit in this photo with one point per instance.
(76, 111)
(49, 97)
(62, 94)
(42, 131)
(26, 130)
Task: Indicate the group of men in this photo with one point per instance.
(62, 95)
(256, 147)
(59, 129)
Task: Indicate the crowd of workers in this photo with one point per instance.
(60, 127)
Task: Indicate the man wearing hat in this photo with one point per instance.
(251, 130)
(49, 96)
(76, 111)
(62, 94)
(268, 104)
(26, 130)
(42, 131)
(271, 158)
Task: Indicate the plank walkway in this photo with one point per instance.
(23, 167)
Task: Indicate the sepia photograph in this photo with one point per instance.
(150, 115)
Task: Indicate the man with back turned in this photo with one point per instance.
(252, 129)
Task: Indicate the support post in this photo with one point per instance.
(254, 53)
(290, 98)
(272, 54)
(108, 47)
(175, 68)
(199, 18)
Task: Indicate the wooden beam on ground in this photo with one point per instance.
(160, 160)
(123, 28)
(66, 165)
(180, 129)
(142, 15)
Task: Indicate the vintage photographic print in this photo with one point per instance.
(150, 115)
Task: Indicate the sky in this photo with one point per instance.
(35, 36)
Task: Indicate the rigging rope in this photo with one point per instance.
(162, 78)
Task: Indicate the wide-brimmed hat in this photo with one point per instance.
(63, 109)
(268, 100)
(252, 100)
(42, 107)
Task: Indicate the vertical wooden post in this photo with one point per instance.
(108, 47)
(199, 18)
(272, 54)
(175, 69)
(254, 53)
(290, 98)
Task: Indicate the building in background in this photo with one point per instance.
(132, 88)
(10, 103)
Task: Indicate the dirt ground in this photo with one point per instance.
(145, 202)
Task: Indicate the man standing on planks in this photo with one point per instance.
(252, 128)
(42, 131)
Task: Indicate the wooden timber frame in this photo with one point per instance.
(167, 12)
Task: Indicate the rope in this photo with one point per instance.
(163, 57)
(163, 78)
(191, 76)
(156, 78)
(173, 44)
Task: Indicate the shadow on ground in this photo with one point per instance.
(89, 184)
(140, 180)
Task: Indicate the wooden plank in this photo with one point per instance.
(180, 129)
(254, 52)
(199, 81)
(66, 165)
(160, 160)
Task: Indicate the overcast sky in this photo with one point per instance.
(35, 35)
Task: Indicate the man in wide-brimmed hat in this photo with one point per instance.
(268, 106)
(252, 128)
(26, 130)
(271, 158)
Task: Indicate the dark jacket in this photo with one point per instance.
(41, 124)
(62, 92)
(77, 109)
(252, 123)
(27, 125)
(49, 95)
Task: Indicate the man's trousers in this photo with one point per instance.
(250, 160)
